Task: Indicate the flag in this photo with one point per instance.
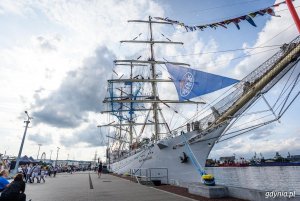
(191, 83)
(235, 21)
(249, 19)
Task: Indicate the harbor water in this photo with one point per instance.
(277, 178)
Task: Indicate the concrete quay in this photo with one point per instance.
(88, 187)
(219, 191)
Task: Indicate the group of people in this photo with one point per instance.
(32, 172)
(13, 191)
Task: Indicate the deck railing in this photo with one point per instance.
(150, 174)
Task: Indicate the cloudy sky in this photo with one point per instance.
(57, 55)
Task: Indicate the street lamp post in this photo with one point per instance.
(22, 143)
(37, 157)
(56, 156)
(51, 154)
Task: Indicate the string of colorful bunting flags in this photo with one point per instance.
(224, 23)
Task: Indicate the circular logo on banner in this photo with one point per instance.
(186, 84)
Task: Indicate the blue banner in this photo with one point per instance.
(191, 83)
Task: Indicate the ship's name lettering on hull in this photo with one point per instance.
(147, 158)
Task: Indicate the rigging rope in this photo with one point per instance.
(290, 104)
(280, 114)
(224, 18)
(229, 5)
(281, 103)
(231, 87)
(253, 128)
(286, 99)
(223, 51)
(209, 105)
(283, 89)
(170, 123)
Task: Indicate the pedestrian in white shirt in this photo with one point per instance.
(35, 173)
(28, 173)
(43, 173)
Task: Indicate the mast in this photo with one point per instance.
(130, 100)
(120, 120)
(154, 90)
(131, 108)
(294, 14)
(154, 98)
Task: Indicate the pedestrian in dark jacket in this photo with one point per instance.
(15, 190)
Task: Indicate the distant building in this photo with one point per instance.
(209, 162)
(81, 164)
(226, 159)
(295, 158)
(277, 156)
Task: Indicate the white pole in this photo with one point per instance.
(22, 143)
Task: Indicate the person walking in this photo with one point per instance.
(46, 171)
(50, 171)
(35, 174)
(24, 170)
(55, 171)
(39, 173)
(99, 169)
(20, 169)
(28, 173)
(43, 174)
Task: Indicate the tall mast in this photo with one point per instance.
(130, 99)
(131, 108)
(294, 14)
(154, 100)
(154, 91)
(120, 120)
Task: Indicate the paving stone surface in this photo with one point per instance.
(79, 187)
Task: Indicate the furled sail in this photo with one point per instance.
(191, 83)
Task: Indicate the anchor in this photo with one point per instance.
(184, 158)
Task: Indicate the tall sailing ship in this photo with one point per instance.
(141, 137)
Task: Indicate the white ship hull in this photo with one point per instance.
(231, 106)
(169, 158)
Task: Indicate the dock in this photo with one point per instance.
(86, 186)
